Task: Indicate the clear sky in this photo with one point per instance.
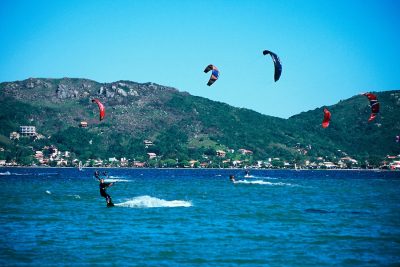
(330, 50)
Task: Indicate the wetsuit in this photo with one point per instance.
(103, 193)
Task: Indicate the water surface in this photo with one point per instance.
(56, 217)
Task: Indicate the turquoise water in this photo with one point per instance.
(56, 217)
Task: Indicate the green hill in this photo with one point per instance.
(350, 130)
(182, 126)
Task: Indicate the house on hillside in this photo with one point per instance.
(14, 135)
(113, 160)
(221, 153)
(203, 165)
(148, 143)
(139, 164)
(192, 163)
(328, 165)
(27, 130)
(152, 155)
(124, 162)
(39, 155)
(62, 162)
(245, 151)
(83, 124)
(54, 153)
(347, 162)
(395, 165)
(236, 163)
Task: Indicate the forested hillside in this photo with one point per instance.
(181, 126)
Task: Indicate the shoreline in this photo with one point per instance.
(235, 169)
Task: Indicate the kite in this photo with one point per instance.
(327, 118)
(277, 64)
(214, 74)
(374, 104)
(101, 108)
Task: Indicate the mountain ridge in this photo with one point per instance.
(186, 126)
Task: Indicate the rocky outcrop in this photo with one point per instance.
(64, 92)
(67, 88)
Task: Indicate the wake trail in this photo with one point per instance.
(14, 174)
(113, 180)
(262, 182)
(259, 177)
(153, 202)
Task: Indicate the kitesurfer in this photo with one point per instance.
(232, 178)
(103, 186)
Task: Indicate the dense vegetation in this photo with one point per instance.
(183, 127)
(350, 130)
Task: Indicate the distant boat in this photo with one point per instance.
(80, 166)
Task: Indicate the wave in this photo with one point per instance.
(47, 174)
(153, 202)
(264, 183)
(75, 196)
(113, 180)
(32, 174)
(12, 173)
(270, 178)
(252, 182)
(259, 177)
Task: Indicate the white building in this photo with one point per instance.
(152, 155)
(148, 143)
(14, 135)
(27, 130)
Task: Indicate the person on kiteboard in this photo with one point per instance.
(103, 186)
(232, 178)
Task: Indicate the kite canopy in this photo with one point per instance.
(327, 118)
(374, 104)
(277, 64)
(101, 108)
(214, 74)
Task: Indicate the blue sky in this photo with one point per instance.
(330, 50)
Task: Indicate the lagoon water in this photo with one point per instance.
(56, 217)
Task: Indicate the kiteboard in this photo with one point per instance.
(110, 204)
